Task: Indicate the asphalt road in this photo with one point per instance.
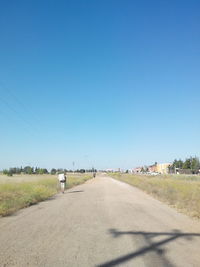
(101, 223)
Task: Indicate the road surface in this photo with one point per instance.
(101, 223)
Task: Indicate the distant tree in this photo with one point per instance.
(142, 169)
(45, 171)
(28, 170)
(12, 170)
(53, 171)
(195, 164)
(180, 164)
(18, 170)
(42, 171)
(174, 165)
(187, 164)
(7, 172)
(177, 164)
(59, 170)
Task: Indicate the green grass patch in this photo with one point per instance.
(182, 192)
(17, 195)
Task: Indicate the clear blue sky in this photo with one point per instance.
(102, 83)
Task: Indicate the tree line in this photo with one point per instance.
(36, 170)
(192, 164)
(25, 170)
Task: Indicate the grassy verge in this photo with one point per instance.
(182, 192)
(14, 196)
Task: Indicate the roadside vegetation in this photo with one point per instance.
(180, 191)
(22, 193)
(36, 170)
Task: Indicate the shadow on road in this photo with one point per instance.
(150, 245)
(77, 191)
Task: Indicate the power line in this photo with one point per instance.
(20, 103)
(26, 124)
(25, 109)
(32, 127)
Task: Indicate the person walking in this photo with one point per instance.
(62, 179)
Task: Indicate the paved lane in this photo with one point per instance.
(101, 223)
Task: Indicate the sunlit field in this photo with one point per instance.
(180, 191)
(21, 191)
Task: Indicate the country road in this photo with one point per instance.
(100, 223)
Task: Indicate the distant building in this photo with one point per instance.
(152, 168)
(163, 168)
(137, 170)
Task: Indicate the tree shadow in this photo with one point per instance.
(150, 245)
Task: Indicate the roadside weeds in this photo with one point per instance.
(182, 193)
(15, 196)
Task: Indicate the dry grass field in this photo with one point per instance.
(180, 191)
(21, 191)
